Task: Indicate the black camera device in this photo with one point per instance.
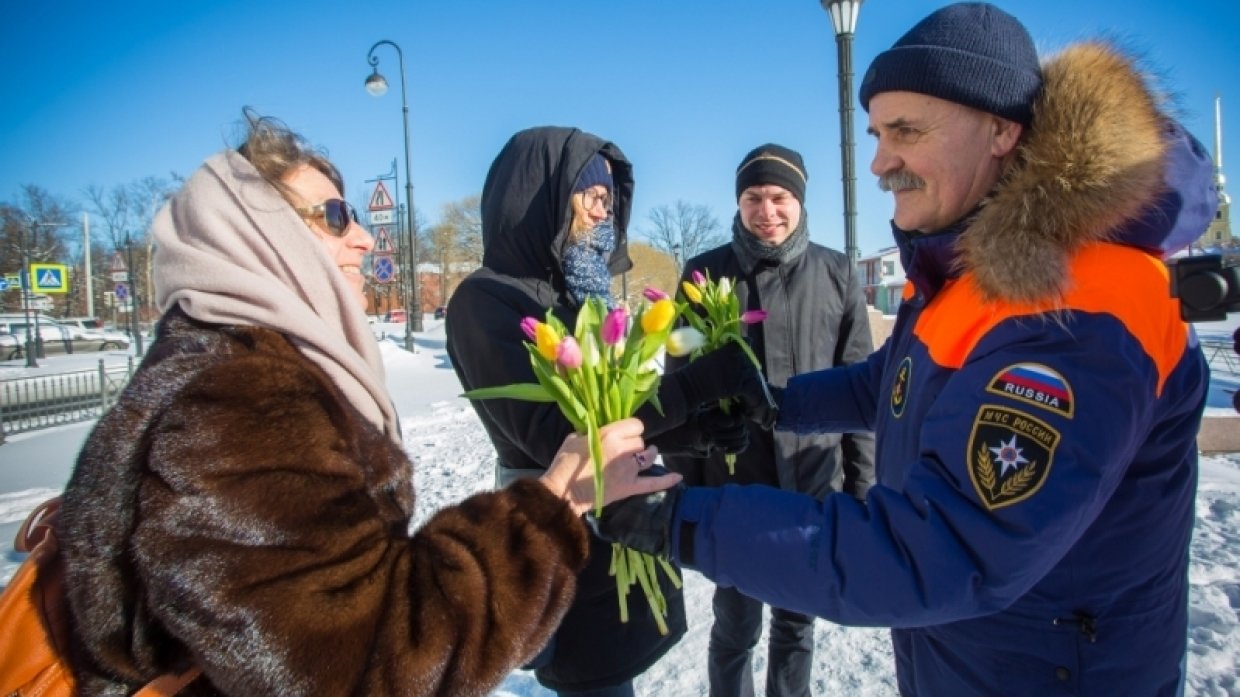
(1206, 288)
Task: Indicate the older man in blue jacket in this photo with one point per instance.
(1037, 405)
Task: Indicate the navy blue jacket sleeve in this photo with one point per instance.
(930, 551)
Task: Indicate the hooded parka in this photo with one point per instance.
(526, 215)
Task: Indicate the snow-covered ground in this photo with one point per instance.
(453, 459)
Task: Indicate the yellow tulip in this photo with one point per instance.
(660, 314)
(546, 340)
(692, 292)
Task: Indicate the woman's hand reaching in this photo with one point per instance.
(625, 455)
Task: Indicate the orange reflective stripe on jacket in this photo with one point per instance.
(1124, 282)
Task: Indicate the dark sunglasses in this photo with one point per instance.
(337, 213)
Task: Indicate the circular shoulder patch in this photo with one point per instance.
(899, 389)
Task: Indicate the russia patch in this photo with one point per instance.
(1009, 455)
(1034, 384)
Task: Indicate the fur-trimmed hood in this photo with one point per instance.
(1101, 161)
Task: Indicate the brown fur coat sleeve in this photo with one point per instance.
(267, 537)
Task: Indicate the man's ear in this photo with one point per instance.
(1005, 136)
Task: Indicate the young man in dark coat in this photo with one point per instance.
(816, 318)
(555, 210)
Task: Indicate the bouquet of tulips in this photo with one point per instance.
(599, 373)
(714, 317)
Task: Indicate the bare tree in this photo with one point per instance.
(455, 243)
(466, 216)
(682, 230)
(36, 230)
(112, 208)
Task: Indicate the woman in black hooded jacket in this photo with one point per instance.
(527, 230)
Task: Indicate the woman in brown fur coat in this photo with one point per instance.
(245, 506)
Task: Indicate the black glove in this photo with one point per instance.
(707, 430)
(765, 410)
(641, 522)
(724, 372)
(728, 372)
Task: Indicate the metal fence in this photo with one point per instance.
(34, 402)
(1221, 356)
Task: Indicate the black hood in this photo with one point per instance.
(525, 201)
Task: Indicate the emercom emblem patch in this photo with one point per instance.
(1034, 384)
(899, 388)
(1009, 455)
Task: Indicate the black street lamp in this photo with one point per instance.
(135, 325)
(377, 85)
(32, 340)
(844, 22)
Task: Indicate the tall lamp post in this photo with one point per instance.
(377, 85)
(844, 22)
(34, 341)
(28, 311)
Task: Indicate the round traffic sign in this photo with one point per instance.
(384, 269)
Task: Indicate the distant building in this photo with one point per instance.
(882, 279)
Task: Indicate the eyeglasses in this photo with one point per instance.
(337, 213)
(591, 198)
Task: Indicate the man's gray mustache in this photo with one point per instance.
(897, 181)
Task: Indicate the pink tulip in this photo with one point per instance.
(698, 278)
(753, 316)
(615, 325)
(568, 355)
(654, 295)
(529, 325)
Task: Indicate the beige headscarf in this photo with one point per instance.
(230, 250)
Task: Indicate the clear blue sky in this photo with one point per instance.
(105, 93)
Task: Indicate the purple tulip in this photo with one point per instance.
(698, 278)
(753, 316)
(529, 325)
(568, 355)
(654, 295)
(615, 325)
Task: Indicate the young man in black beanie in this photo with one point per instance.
(1037, 404)
(816, 319)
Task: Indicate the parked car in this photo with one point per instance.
(87, 323)
(58, 337)
(96, 339)
(441, 312)
(396, 316)
(10, 347)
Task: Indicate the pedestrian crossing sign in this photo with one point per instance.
(49, 278)
(383, 242)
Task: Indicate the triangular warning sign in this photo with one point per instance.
(381, 200)
(383, 242)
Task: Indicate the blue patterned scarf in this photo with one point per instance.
(585, 264)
